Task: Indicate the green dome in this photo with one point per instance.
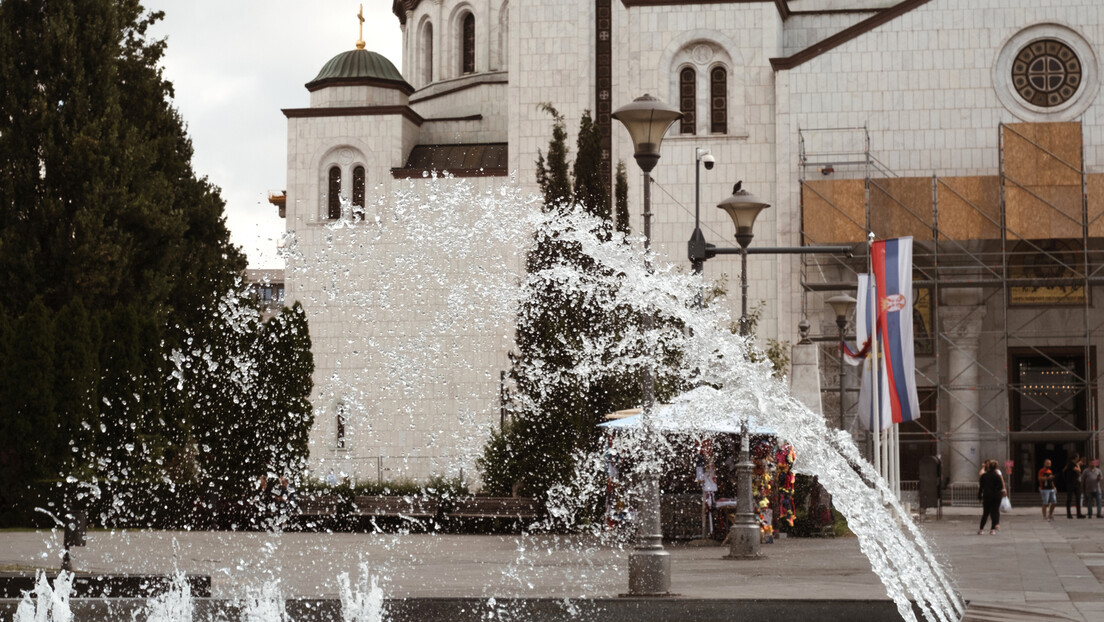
(357, 66)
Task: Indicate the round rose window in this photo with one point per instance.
(1046, 73)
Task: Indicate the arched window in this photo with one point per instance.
(358, 191)
(339, 441)
(467, 45)
(504, 37)
(334, 197)
(718, 91)
(688, 101)
(427, 53)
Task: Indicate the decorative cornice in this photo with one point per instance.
(470, 117)
(400, 7)
(414, 173)
(845, 35)
(405, 88)
(354, 111)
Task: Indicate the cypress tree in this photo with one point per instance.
(122, 363)
(34, 420)
(97, 196)
(10, 459)
(76, 386)
(227, 415)
(288, 365)
(621, 198)
(552, 174)
(555, 411)
(590, 188)
(99, 203)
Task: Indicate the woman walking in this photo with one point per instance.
(990, 491)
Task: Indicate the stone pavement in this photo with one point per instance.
(1032, 570)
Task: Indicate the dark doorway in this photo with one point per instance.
(1050, 399)
(1048, 390)
(1029, 459)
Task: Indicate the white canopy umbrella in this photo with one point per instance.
(695, 410)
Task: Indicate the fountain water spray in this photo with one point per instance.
(476, 230)
(447, 257)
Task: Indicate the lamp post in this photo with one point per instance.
(743, 208)
(647, 120)
(744, 535)
(841, 306)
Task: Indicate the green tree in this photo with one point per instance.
(621, 198)
(123, 368)
(555, 412)
(590, 188)
(227, 425)
(33, 423)
(552, 174)
(288, 367)
(10, 459)
(97, 195)
(76, 386)
(99, 203)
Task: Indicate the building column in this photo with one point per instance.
(961, 324)
(805, 375)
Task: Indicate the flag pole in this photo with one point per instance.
(897, 461)
(876, 367)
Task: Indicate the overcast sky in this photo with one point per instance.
(234, 64)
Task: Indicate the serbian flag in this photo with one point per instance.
(891, 261)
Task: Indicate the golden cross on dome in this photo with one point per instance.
(360, 39)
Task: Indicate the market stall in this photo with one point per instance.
(703, 467)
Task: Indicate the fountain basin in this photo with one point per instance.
(97, 586)
(543, 609)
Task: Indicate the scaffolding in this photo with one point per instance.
(1020, 251)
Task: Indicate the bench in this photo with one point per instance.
(496, 507)
(412, 507)
(319, 505)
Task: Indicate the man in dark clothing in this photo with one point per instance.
(990, 491)
(1071, 476)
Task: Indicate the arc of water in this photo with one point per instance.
(447, 216)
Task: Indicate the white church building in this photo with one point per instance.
(975, 127)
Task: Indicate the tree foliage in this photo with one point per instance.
(114, 253)
(554, 411)
(552, 174)
(621, 198)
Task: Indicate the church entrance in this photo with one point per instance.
(1050, 410)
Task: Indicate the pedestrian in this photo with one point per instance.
(1071, 477)
(990, 492)
(1090, 487)
(1046, 490)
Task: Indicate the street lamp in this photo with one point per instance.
(842, 304)
(743, 207)
(743, 537)
(647, 120)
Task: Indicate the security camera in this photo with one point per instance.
(708, 160)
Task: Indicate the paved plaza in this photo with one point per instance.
(1032, 570)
